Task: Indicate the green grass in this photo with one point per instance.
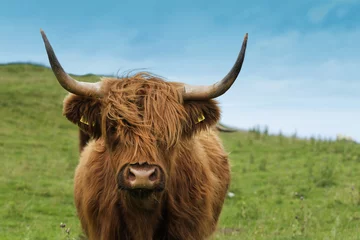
(285, 188)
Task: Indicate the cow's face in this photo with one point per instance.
(142, 120)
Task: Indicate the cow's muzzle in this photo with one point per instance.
(141, 180)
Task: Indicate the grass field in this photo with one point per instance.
(285, 188)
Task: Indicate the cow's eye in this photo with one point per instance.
(112, 129)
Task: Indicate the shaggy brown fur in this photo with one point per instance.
(143, 119)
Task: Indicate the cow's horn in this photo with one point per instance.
(67, 82)
(191, 92)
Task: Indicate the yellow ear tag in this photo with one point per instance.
(200, 118)
(82, 119)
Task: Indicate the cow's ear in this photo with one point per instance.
(84, 112)
(201, 115)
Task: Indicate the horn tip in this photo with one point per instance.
(246, 37)
(42, 33)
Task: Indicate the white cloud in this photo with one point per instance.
(341, 12)
(318, 14)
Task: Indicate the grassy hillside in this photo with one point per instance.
(285, 188)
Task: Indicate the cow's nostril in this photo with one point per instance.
(153, 176)
(132, 176)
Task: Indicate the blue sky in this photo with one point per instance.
(300, 72)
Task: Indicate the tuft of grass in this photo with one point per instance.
(285, 187)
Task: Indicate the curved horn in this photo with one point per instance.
(217, 89)
(67, 82)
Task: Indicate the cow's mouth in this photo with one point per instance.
(143, 193)
(140, 193)
(141, 199)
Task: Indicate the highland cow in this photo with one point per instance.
(151, 164)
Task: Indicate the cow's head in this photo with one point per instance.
(141, 119)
